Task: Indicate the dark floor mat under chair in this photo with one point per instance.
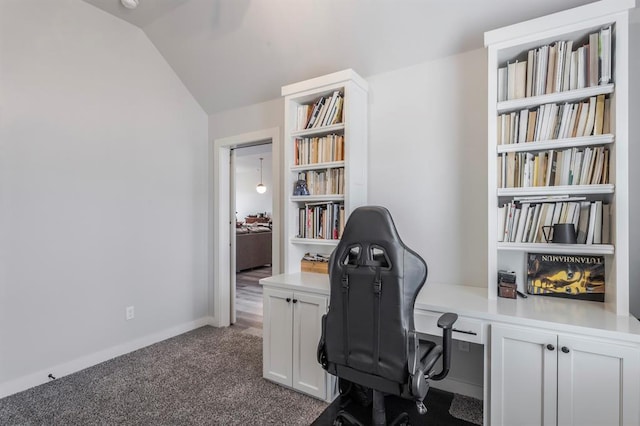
(437, 403)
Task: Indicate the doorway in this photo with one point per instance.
(222, 272)
(252, 186)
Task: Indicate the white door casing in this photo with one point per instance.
(220, 218)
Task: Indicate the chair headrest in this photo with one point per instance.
(370, 238)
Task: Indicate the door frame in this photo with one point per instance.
(220, 220)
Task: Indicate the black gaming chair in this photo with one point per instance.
(368, 335)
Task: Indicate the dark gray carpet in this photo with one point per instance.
(208, 376)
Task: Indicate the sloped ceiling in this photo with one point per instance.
(233, 53)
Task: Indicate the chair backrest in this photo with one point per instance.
(374, 279)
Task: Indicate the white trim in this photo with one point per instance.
(556, 20)
(219, 234)
(324, 81)
(40, 377)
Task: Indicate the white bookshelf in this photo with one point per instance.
(512, 43)
(354, 129)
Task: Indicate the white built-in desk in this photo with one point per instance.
(575, 358)
(574, 316)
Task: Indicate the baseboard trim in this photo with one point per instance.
(460, 387)
(40, 377)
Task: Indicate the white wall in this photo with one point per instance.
(427, 161)
(265, 115)
(103, 191)
(248, 200)
(634, 170)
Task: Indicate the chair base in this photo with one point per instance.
(379, 416)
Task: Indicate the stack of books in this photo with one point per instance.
(571, 166)
(556, 67)
(324, 182)
(318, 149)
(323, 220)
(325, 111)
(555, 121)
(522, 221)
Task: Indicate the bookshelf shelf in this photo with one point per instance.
(583, 141)
(323, 214)
(318, 166)
(318, 131)
(557, 190)
(604, 134)
(567, 96)
(314, 241)
(316, 198)
(583, 249)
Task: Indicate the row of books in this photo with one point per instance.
(555, 121)
(325, 111)
(522, 221)
(572, 166)
(324, 182)
(556, 67)
(321, 221)
(319, 149)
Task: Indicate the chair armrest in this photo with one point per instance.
(445, 322)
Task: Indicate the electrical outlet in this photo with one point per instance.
(463, 346)
(130, 313)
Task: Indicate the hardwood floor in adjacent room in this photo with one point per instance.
(249, 299)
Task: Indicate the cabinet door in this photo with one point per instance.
(308, 375)
(598, 382)
(523, 376)
(277, 331)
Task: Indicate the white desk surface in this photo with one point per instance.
(590, 318)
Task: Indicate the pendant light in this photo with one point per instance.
(130, 4)
(260, 187)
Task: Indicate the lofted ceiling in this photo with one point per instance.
(233, 53)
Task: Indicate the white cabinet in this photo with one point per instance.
(292, 329)
(544, 378)
(277, 338)
(598, 382)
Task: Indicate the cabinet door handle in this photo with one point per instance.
(565, 349)
(550, 347)
(288, 299)
(295, 300)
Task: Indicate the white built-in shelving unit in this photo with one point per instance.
(513, 43)
(352, 128)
